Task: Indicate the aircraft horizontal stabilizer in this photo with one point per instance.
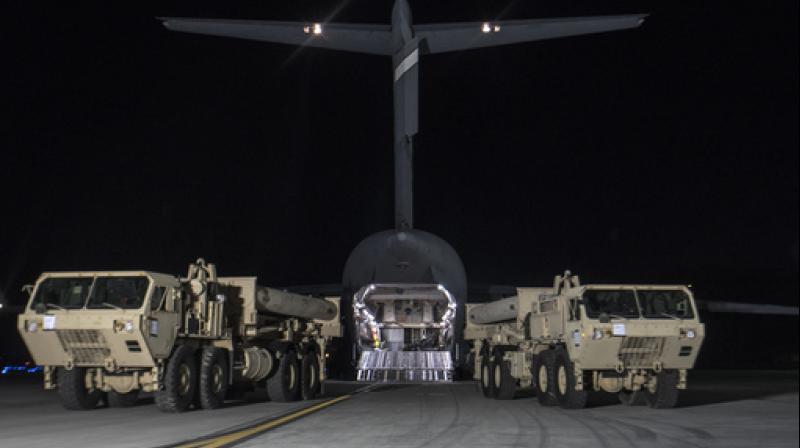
(445, 37)
(371, 39)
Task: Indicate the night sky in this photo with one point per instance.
(667, 153)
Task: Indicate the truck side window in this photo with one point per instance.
(157, 300)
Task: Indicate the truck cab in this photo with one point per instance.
(115, 320)
(644, 326)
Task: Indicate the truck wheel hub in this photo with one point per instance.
(216, 379)
(543, 378)
(184, 380)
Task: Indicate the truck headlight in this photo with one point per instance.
(33, 326)
(597, 334)
(690, 333)
(123, 325)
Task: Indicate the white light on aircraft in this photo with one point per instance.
(315, 29)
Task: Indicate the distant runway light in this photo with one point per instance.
(488, 27)
(315, 29)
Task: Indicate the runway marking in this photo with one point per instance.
(237, 436)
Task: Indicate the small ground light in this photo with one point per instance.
(488, 27)
(315, 29)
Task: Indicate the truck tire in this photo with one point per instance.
(487, 377)
(544, 377)
(568, 397)
(666, 393)
(505, 385)
(72, 389)
(120, 400)
(213, 384)
(309, 376)
(180, 381)
(284, 384)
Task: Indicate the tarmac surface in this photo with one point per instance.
(723, 408)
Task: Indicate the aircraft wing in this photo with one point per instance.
(371, 39)
(747, 308)
(443, 37)
(317, 290)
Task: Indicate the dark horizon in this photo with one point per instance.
(662, 154)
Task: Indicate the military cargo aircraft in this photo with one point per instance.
(403, 290)
(411, 275)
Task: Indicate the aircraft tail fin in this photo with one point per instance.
(444, 37)
(370, 39)
(406, 81)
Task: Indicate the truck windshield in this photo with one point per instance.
(118, 292)
(58, 293)
(627, 303)
(614, 303)
(665, 304)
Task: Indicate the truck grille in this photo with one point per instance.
(641, 351)
(86, 347)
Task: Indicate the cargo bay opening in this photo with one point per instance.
(404, 332)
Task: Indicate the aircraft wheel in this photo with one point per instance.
(180, 381)
(568, 397)
(310, 385)
(120, 400)
(284, 384)
(665, 393)
(73, 392)
(213, 377)
(544, 376)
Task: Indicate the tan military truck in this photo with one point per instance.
(637, 341)
(191, 341)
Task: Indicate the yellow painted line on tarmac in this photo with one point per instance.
(236, 436)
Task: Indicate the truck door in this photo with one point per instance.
(161, 323)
